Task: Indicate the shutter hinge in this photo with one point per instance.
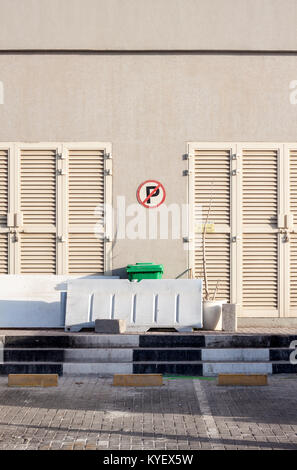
(235, 172)
(107, 239)
(61, 172)
(186, 156)
(62, 239)
(187, 172)
(108, 156)
(60, 156)
(108, 172)
(234, 156)
(187, 239)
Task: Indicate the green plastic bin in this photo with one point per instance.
(139, 271)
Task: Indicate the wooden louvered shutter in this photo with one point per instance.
(293, 183)
(3, 253)
(3, 211)
(48, 196)
(3, 186)
(260, 270)
(38, 192)
(86, 196)
(292, 246)
(293, 272)
(259, 211)
(261, 198)
(212, 186)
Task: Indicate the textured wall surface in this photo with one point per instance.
(148, 24)
(149, 107)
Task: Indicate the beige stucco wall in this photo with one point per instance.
(149, 24)
(148, 106)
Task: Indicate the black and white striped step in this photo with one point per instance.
(182, 354)
(149, 341)
(207, 369)
(146, 354)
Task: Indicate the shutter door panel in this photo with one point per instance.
(260, 262)
(38, 253)
(217, 263)
(293, 184)
(3, 186)
(212, 183)
(259, 187)
(3, 253)
(86, 191)
(86, 185)
(86, 254)
(293, 236)
(293, 271)
(4, 209)
(38, 186)
(212, 177)
(38, 191)
(260, 238)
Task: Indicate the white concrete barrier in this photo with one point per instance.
(147, 304)
(34, 301)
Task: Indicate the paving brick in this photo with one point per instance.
(96, 415)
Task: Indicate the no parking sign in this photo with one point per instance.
(151, 194)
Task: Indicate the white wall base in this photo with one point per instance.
(266, 322)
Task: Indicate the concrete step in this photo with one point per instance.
(193, 368)
(175, 340)
(31, 368)
(72, 341)
(145, 354)
(168, 353)
(217, 341)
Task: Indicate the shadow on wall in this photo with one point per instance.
(35, 301)
(33, 313)
(120, 272)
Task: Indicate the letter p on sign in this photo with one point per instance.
(151, 194)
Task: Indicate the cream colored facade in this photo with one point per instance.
(150, 79)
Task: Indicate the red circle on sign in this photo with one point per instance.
(143, 202)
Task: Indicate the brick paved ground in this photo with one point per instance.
(89, 413)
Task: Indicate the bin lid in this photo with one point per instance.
(145, 267)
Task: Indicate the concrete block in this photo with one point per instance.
(242, 379)
(137, 380)
(33, 380)
(110, 326)
(229, 317)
